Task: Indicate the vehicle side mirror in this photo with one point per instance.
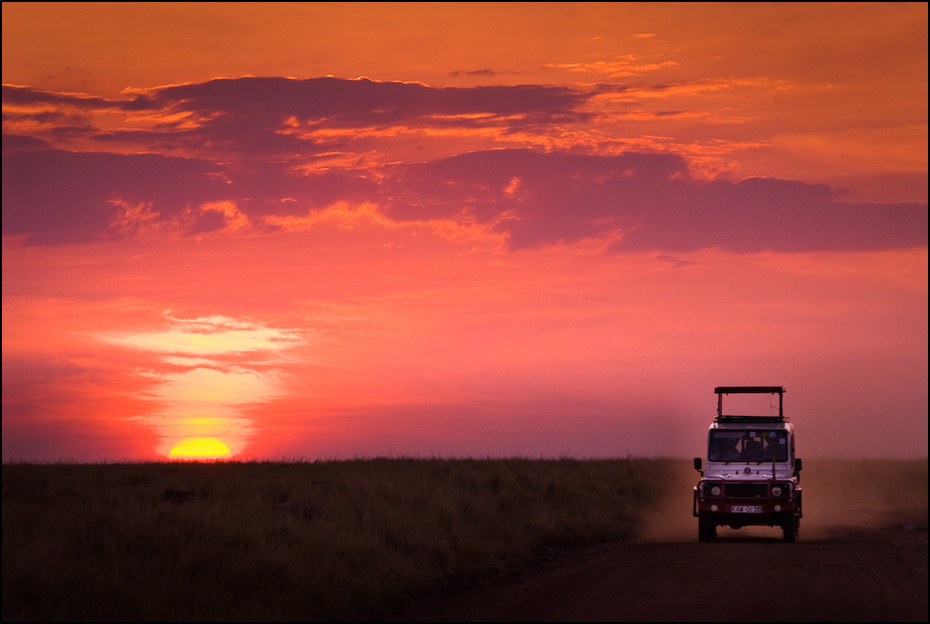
(797, 464)
(698, 465)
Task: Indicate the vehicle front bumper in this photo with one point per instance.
(737, 512)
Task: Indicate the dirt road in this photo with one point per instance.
(869, 574)
(866, 574)
(847, 565)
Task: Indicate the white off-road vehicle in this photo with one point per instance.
(751, 475)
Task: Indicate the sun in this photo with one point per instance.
(199, 448)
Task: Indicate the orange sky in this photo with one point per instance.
(339, 230)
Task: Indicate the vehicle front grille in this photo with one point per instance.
(746, 490)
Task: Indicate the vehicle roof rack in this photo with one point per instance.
(749, 389)
(722, 390)
(735, 418)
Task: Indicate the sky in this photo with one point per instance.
(301, 231)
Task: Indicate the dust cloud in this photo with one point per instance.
(671, 519)
(838, 494)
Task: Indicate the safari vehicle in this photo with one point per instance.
(751, 476)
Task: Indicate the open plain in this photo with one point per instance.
(479, 540)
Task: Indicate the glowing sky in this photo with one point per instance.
(340, 230)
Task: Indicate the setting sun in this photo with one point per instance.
(199, 448)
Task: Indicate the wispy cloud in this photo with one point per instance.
(625, 67)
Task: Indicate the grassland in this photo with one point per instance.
(349, 540)
(346, 540)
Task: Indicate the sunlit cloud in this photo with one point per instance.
(188, 362)
(341, 214)
(626, 67)
(458, 228)
(220, 342)
(201, 386)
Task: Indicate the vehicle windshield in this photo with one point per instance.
(748, 446)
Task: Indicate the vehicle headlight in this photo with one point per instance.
(781, 489)
(712, 489)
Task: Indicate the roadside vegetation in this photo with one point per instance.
(314, 541)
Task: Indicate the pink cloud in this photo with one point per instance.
(638, 201)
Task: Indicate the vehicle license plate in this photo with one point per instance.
(745, 509)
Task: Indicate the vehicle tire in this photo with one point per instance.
(707, 528)
(790, 529)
